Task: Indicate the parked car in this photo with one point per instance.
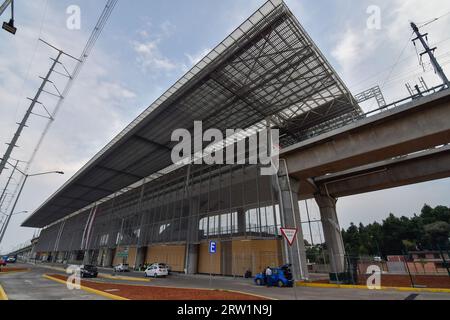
(281, 277)
(157, 270)
(11, 259)
(169, 268)
(85, 271)
(2, 262)
(165, 265)
(88, 271)
(123, 267)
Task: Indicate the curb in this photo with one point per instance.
(14, 271)
(244, 293)
(87, 289)
(220, 290)
(111, 277)
(342, 286)
(3, 295)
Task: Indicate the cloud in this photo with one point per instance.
(147, 49)
(349, 49)
(197, 57)
(150, 58)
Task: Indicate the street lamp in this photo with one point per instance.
(18, 196)
(8, 26)
(14, 214)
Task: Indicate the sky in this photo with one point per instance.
(147, 45)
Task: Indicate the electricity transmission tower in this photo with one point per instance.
(34, 101)
(430, 51)
(104, 17)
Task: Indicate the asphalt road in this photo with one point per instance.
(32, 285)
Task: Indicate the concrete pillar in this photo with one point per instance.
(242, 224)
(109, 256)
(72, 257)
(333, 237)
(140, 256)
(87, 257)
(192, 238)
(100, 257)
(290, 211)
(192, 251)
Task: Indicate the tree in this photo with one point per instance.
(438, 233)
(395, 235)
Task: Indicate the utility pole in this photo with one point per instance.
(35, 101)
(23, 124)
(430, 51)
(4, 6)
(8, 219)
(11, 213)
(3, 196)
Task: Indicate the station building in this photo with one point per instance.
(131, 204)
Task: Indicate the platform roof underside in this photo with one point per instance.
(268, 68)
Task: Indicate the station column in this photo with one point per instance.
(333, 236)
(290, 210)
(241, 221)
(192, 239)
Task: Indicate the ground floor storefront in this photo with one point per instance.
(232, 258)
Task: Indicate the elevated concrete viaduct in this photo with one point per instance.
(380, 152)
(416, 126)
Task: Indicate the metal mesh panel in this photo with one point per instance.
(267, 68)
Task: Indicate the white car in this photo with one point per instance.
(122, 268)
(157, 270)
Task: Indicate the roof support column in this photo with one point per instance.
(192, 241)
(241, 222)
(290, 217)
(333, 237)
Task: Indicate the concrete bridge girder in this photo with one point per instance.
(417, 126)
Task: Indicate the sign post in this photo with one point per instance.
(212, 251)
(289, 234)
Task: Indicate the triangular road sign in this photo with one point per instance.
(289, 234)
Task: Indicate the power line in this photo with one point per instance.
(110, 5)
(423, 24)
(33, 56)
(107, 11)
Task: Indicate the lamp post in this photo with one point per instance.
(8, 26)
(18, 196)
(14, 214)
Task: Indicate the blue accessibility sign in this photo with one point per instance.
(213, 247)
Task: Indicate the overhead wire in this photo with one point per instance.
(104, 17)
(424, 24)
(33, 56)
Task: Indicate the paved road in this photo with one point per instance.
(32, 286)
(299, 293)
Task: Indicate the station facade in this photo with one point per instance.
(131, 204)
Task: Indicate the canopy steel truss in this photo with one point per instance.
(267, 68)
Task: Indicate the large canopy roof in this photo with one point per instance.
(267, 68)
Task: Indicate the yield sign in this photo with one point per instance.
(289, 234)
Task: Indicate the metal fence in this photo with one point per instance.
(428, 270)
